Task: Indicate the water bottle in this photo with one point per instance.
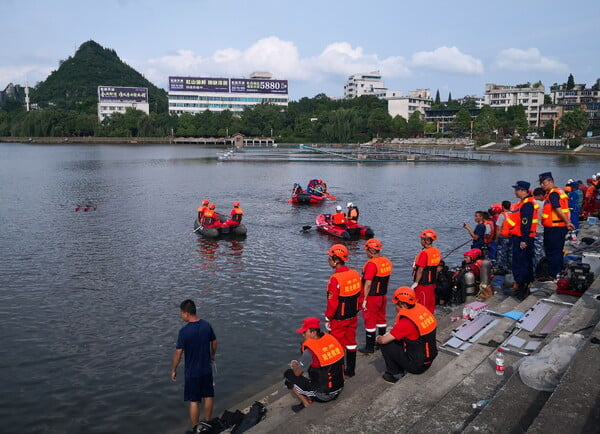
(481, 403)
(500, 362)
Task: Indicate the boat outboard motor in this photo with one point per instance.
(468, 283)
(485, 272)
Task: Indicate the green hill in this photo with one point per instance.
(74, 85)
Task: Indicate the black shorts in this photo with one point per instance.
(197, 388)
(307, 388)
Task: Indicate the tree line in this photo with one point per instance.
(318, 120)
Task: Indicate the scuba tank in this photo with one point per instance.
(468, 283)
(485, 272)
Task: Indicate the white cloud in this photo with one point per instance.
(449, 60)
(278, 57)
(515, 59)
(23, 74)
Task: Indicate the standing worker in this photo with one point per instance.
(344, 298)
(477, 234)
(504, 224)
(323, 359)
(425, 270)
(557, 221)
(198, 343)
(352, 214)
(410, 345)
(375, 278)
(538, 242)
(522, 239)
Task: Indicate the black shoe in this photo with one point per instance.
(349, 374)
(366, 350)
(297, 407)
(389, 378)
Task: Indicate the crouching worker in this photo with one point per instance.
(410, 345)
(323, 359)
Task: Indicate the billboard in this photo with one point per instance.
(122, 94)
(252, 85)
(204, 84)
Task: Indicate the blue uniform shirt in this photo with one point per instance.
(195, 338)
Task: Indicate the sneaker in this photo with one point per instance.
(297, 407)
(389, 378)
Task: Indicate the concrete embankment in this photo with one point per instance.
(440, 400)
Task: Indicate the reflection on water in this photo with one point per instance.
(89, 302)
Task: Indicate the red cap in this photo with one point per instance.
(309, 323)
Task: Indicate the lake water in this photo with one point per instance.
(89, 300)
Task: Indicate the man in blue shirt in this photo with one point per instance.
(477, 234)
(197, 341)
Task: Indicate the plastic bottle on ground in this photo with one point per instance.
(481, 403)
(500, 362)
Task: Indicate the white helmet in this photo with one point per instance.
(350, 204)
(338, 208)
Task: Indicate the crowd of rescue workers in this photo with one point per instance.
(525, 239)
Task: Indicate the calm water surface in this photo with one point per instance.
(89, 300)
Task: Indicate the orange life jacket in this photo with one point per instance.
(349, 292)
(429, 276)
(488, 238)
(516, 230)
(339, 218)
(209, 217)
(326, 372)
(424, 347)
(549, 216)
(379, 285)
(201, 210)
(507, 224)
(353, 214)
(236, 214)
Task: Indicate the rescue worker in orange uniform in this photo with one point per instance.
(323, 359)
(202, 208)
(344, 300)
(210, 218)
(235, 216)
(503, 226)
(410, 345)
(375, 278)
(425, 270)
(522, 237)
(339, 218)
(557, 222)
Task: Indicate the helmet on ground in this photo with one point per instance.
(205, 202)
(211, 206)
(473, 253)
(406, 295)
(350, 205)
(338, 208)
(429, 233)
(563, 284)
(373, 243)
(338, 250)
(236, 203)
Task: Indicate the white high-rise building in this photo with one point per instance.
(365, 84)
(531, 97)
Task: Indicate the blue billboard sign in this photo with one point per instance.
(204, 84)
(251, 85)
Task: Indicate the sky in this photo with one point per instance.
(454, 47)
